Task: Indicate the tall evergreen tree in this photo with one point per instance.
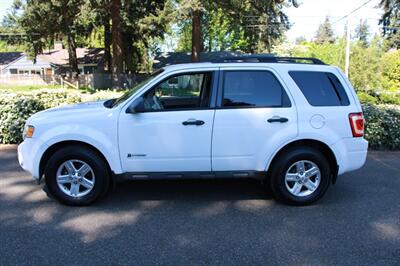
(391, 21)
(117, 40)
(46, 21)
(362, 32)
(127, 26)
(142, 22)
(194, 10)
(325, 33)
(268, 22)
(12, 35)
(247, 25)
(101, 19)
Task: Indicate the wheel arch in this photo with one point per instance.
(59, 145)
(319, 145)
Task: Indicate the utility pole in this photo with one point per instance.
(348, 16)
(347, 64)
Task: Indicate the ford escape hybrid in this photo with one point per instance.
(295, 123)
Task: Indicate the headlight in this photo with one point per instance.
(28, 131)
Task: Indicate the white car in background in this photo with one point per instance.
(294, 122)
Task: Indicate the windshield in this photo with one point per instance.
(138, 86)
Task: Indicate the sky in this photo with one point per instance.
(4, 5)
(307, 17)
(311, 13)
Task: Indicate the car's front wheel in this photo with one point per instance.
(300, 176)
(76, 175)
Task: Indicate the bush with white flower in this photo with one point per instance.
(382, 121)
(16, 108)
(382, 128)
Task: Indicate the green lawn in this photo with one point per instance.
(28, 88)
(25, 88)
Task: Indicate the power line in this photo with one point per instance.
(348, 37)
(355, 10)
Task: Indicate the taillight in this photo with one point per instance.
(357, 124)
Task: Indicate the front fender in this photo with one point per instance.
(103, 140)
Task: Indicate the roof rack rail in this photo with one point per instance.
(269, 59)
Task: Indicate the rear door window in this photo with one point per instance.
(253, 88)
(320, 88)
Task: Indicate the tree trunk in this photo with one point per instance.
(72, 58)
(196, 35)
(117, 43)
(267, 44)
(107, 44)
(129, 65)
(209, 42)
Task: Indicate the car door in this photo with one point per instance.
(254, 117)
(173, 133)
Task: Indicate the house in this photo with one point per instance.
(51, 62)
(26, 66)
(90, 60)
(7, 58)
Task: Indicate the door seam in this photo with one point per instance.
(211, 144)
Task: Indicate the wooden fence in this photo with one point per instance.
(22, 79)
(95, 81)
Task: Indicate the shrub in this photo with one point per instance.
(389, 98)
(16, 108)
(367, 98)
(382, 121)
(13, 113)
(391, 70)
(382, 126)
(379, 97)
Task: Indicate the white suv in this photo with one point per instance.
(294, 122)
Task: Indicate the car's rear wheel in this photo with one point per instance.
(76, 175)
(300, 176)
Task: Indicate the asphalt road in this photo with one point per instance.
(218, 222)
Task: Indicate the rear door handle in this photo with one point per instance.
(277, 119)
(193, 122)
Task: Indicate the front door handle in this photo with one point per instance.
(193, 122)
(277, 119)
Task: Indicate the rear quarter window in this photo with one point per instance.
(320, 88)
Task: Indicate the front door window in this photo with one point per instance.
(180, 92)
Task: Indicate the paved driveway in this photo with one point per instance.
(204, 222)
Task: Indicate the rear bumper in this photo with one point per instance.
(351, 153)
(30, 152)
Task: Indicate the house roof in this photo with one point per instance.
(172, 58)
(8, 57)
(24, 63)
(86, 56)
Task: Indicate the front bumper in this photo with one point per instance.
(30, 152)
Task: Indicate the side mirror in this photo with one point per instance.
(136, 107)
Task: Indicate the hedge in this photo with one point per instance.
(15, 108)
(381, 97)
(382, 127)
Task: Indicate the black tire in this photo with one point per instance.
(93, 159)
(282, 164)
